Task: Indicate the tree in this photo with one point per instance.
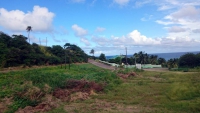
(135, 55)
(102, 57)
(74, 53)
(188, 60)
(29, 28)
(172, 63)
(162, 62)
(141, 57)
(153, 59)
(92, 52)
(3, 55)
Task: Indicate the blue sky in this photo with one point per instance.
(107, 26)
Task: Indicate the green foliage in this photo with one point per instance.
(189, 60)
(17, 51)
(172, 63)
(102, 57)
(20, 102)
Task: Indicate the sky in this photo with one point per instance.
(107, 26)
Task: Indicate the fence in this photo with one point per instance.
(139, 66)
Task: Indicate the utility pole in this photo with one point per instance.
(126, 56)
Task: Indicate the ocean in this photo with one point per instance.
(166, 56)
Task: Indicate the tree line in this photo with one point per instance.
(188, 60)
(16, 51)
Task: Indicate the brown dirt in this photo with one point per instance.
(74, 90)
(49, 103)
(4, 103)
(125, 76)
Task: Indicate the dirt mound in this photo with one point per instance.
(81, 88)
(73, 90)
(47, 105)
(125, 76)
(4, 103)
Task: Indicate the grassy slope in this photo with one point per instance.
(148, 92)
(175, 92)
(27, 86)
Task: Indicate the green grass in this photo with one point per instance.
(155, 92)
(167, 92)
(30, 83)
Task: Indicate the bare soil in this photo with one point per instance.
(74, 90)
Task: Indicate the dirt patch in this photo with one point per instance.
(4, 103)
(49, 103)
(125, 76)
(73, 90)
(77, 90)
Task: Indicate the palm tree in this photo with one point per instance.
(141, 56)
(172, 63)
(92, 52)
(153, 59)
(162, 61)
(29, 28)
(135, 56)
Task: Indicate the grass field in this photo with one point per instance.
(167, 92)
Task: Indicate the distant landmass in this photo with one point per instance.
(166, 56)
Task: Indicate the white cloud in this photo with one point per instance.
(164, 7)
(121, 2)
(102, 41)
(189, 13)
(135, 42)
(78, 1)
(139, 39)
(146, 18)
(79, 31)
(176, 29)
(164, 22)
(40, 19)
(134, 38)
(85, 41)
(196, 30)
(184, 21)
(140, 3)
(100, 29)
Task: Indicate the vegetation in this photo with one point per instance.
(185, 61)
(92, 52)
(102, 57)
(16, 51)
(28, 87)
(189, 60)
(147, 92)
(166, 92)
(140, 57)
(29, 28)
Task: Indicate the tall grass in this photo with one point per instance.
(28, 83)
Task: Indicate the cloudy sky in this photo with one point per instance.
(107, 26)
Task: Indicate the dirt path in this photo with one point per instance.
(157, 69)
(101, 64)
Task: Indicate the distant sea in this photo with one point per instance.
(166, 56)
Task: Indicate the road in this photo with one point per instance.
(96, 63)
